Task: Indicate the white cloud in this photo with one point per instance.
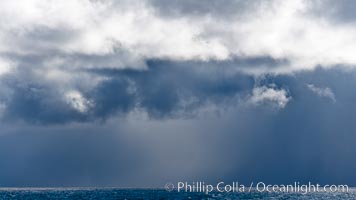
(5, 66)
(76, 100)
(279, 29)
(322, 92)
(264, 94)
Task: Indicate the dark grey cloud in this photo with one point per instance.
(162, 89)
(305, 141)
(36, 103)
(165, 89)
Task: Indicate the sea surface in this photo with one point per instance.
(112, 193)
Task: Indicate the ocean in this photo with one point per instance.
(113, 193)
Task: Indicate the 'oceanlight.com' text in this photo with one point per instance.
(297, 187)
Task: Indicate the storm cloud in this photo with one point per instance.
(139, 93)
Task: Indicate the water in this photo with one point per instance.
(109, 193)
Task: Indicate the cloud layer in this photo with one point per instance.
(128, 32)
(60, 57)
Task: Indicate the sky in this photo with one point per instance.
(137, 93)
